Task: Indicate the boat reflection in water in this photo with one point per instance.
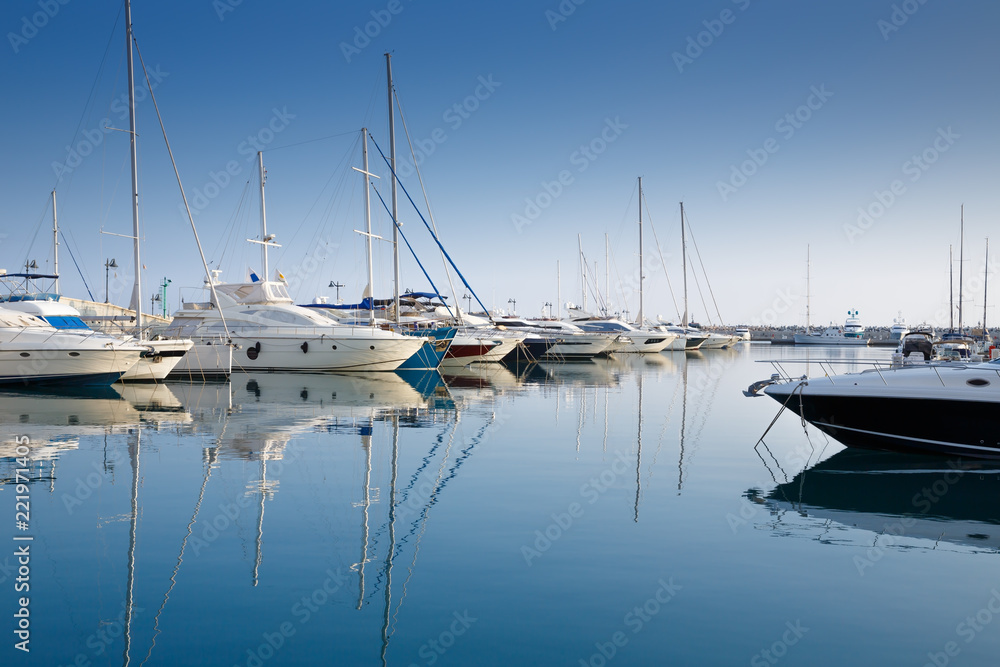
(897, 497)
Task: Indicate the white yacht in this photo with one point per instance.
(272, 333)
(34, 352)
(852, 333)
(637, 340)
(159, 360)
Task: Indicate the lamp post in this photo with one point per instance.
(513, 310)
(338, 286)
(549, 304)
(152, 301)
(30, 265)
(108, 265)
(163, 294)
(468, 297)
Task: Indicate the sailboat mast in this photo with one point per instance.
(607, 274)
(961, 265)
(583, 271)
(395, 217)
(986, 276)
(135, 172)
(951, 289)
(55, 242)
(368, 227)
(684, 268)
(639, 318)
(558, 291)
(808, 290)
(263, 217)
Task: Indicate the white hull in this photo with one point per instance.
(42, 365)
(155, 367)
(206, 359)
(372, 350)
(647, 342)
(822, 339)
(580, 346)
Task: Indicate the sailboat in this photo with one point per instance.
(637, 336)
(162, 355)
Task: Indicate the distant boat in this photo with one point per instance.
(898, 328)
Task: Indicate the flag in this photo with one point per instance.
(253, 276)
(280, 276)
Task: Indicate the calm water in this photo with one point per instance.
(613, 512)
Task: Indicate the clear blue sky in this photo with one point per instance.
(773, 122)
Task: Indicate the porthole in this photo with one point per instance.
(371, 347)
(25, 354)
(74, 354)
(977, 382)
(334, 347)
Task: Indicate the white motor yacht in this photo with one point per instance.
(34, 352)
(272, 333)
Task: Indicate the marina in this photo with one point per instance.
(389, 334)
(491, 516)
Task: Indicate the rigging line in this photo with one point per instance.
(187, 207)
(709, 284)
(410, 247)
(659, 252)
(436, 239)
(311, 141)
(430, 213)
(93, 86)
(38, 228)
(77, 265)
(701, 295)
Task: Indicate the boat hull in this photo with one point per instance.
(936, 410)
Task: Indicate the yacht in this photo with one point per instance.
(272, 333)
(34, 352)
(950, 408)
(160, 359)
(569, 342)
(638, 340)
(852, 333)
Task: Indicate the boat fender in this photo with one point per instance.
(253, 352)
(305, 347)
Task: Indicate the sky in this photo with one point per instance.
(852, 132)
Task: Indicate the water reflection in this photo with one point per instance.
(897, 496)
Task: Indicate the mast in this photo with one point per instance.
(263, 217)
(951, 289)
(639, 318)
(137, 297)
(808, 292)
(392, 166)
(961, 266)
(986, 276)
(55, 242)
(684, 269)
(368, 226)
(607, 275)
(558, 290)
(583, 271)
